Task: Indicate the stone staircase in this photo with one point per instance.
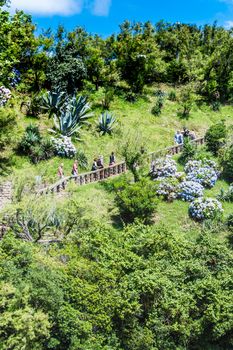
(5, 194)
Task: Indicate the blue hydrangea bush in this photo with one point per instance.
(64, 147)
(189, 190)
(163, 168)
(167, 188)
(203, 172)
(205, 208)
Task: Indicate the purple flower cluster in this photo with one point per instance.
(205, 208)
(189, 190)
(5, 95)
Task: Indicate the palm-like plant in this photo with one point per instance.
(106, 123)
(53, 102)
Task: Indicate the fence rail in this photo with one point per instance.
(176, 149)
(86, 178)
(112, 170)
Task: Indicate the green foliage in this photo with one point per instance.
(157, 109)
(66, 71)
(137, 201)
(106, 123)
(186, 100)
(132, 150)
(216, 105)
(108, 97)
(33, 145)
(82, 159)
(7, 137)
(188, 151)
(105, 289)
(226, 160)
(215, 137)
(229, 222)
(172, 95)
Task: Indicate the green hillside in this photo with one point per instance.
(141, 260)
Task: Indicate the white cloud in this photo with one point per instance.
(48, 7)
(101, 7)
(228, 24)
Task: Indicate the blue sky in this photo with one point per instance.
(104, 16)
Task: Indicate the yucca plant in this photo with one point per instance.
(106, 123)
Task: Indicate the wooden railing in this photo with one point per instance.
(176, 149)
(86, 178)
(112, 170)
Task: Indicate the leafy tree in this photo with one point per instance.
(132, 150)
(227, 162)
(137, 201)
(216, 137)
(7, 137)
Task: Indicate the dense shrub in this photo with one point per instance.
(227, 195)
(137, 201)
(172, 95)
(227, 163)
(229, 222)
(205, 208)
(157, 109)
(188, 151)
(215, 137)
(34, 146)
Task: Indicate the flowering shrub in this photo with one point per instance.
(204, 176)
(5, 95)
(64, 147)
(203, 172)
(205, 208)
(163, 168)
(167, 188)
(189, 190)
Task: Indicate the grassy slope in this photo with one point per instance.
(156, 132)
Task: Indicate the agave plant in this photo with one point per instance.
(69, 120)
(53, 102)
(106, 123)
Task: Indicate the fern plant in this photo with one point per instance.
(106, 123)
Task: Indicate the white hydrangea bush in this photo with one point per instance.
(205, 208)
(5, 95)
(64, 147)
